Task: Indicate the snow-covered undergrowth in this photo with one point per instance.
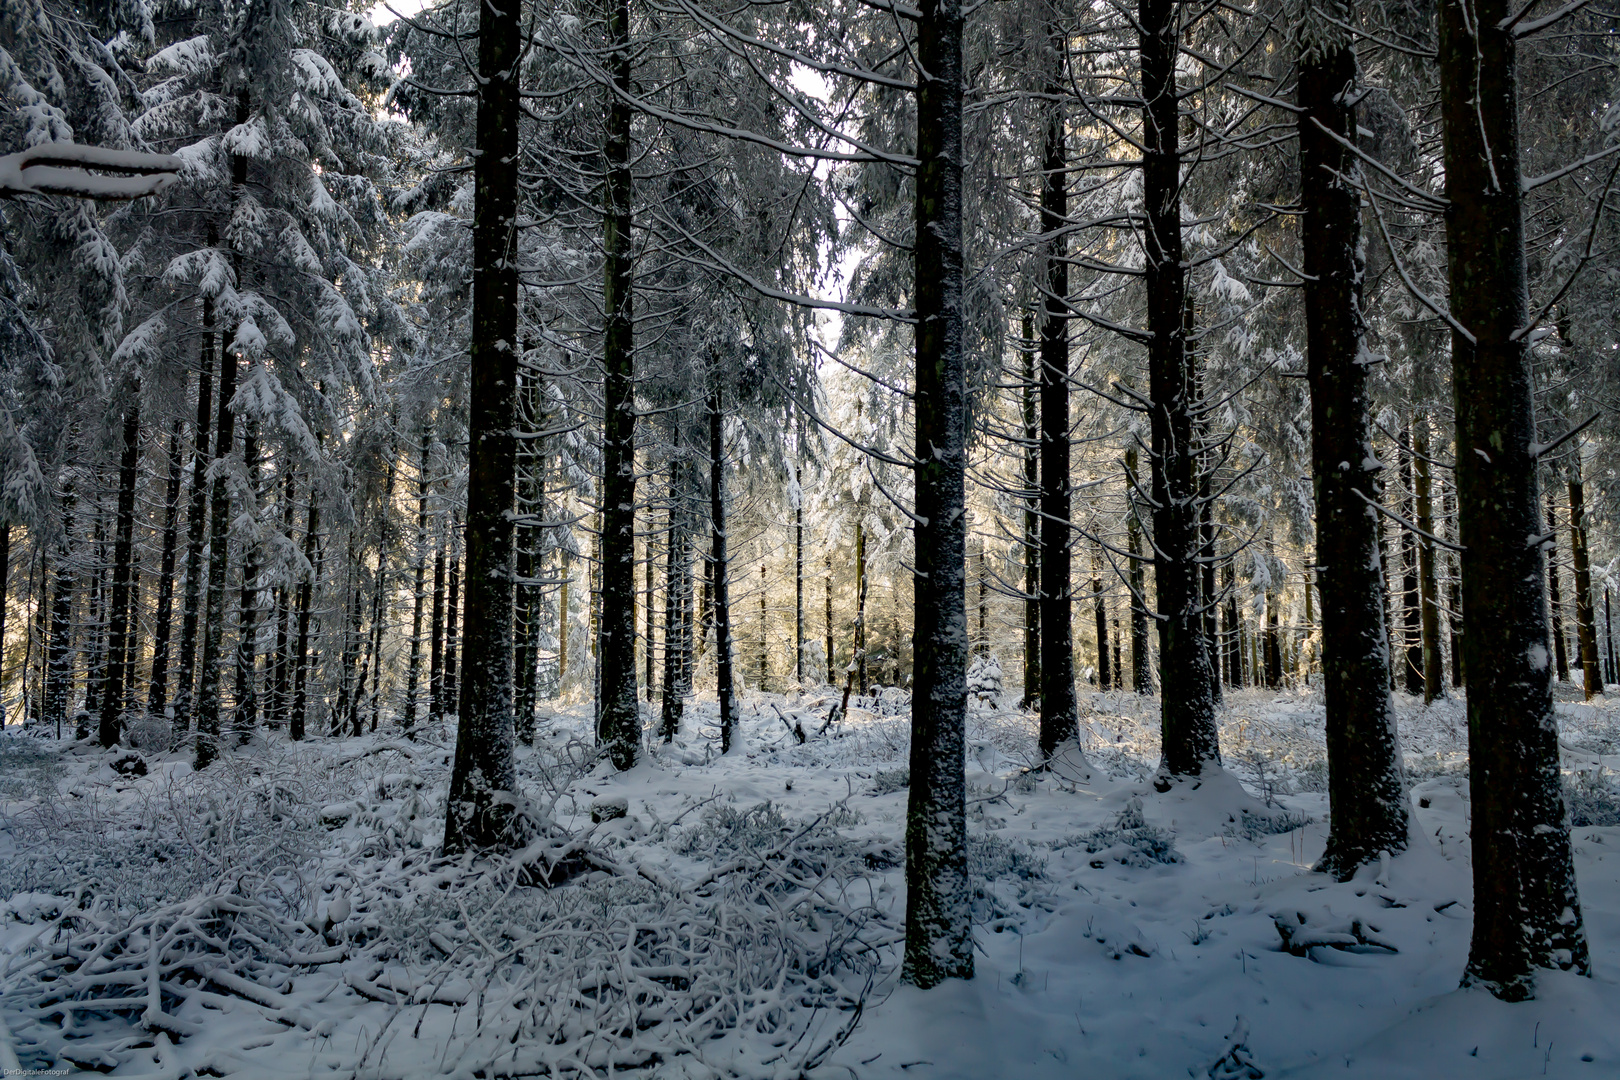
(284, 913)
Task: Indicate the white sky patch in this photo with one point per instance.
(381, 16)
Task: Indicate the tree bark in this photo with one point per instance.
(246, 716)
(1585, 618)
(620, 721)
(1366, 786)
(1190, 739)
(306, 588)
(58, 688)
(939, 938)
(196, 523)
(1555, 597)
(452, 615)
(436, 646)
(483, 781)
(1100, 615)
(1527, 915)
(219, 521)
(719, 566)
(1141, 662)
(157, 694)
(1411, 591)
(858, 651)
(1060, 721)
(112, 689)
(1434, 684)
(1032, 520)
(413, 667)
(677, 606)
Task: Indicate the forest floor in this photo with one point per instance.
(283, 913)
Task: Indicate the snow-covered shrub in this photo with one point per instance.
(992, 856)
(29, 767)
(984, 680)
(1007, 878)
(1592, 798)
(153, 734)
(1251, 827)
(1129, 840)
(889, 781)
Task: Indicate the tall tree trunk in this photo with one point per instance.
(1434, 685)
(1060, 721)
(1032, 519)
(95, 676)
(1608, 634)
(58, 682)
(246, 717)
(157, 695)
(483, 781)
(306, 590)
(1231, 629)
(1411, 591)
(1188, 697)
(346, 713)
(1454, 618)
(380, 608)
(5, 582)
(219, 524)
(984, 604)
(677, 584)
(452, 615)
(1100, 615)
(827, 626)
(719, 566)
(1555, 597)
(413, 672)
(1526, 912)
(858, 652)
(620, 723)
(764, 636)
(939, 938)
(436, 647)
(1273, 641)
(1141, 662)
(1585, 619)
(563, 560)
(277, 700)
(196, 524)
(650, 645)
(798, 567)
(1366, 786)
(112, 690)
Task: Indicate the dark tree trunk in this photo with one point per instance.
(1032, 519)
(246, 717)
(483, 782)
(452, 615)
(1526, 912)
(5, 583)
(1060, 721)
(1555, 592)
(1231, 630)
(157, 695)
(277, 699)
(196, 525)
(1188, 696)
(798, 568)
(306, 589)
(1585, 618)
(620, 721)
(112, 690)
(1608, 635)
(719, 566)
(349, 651)
(984, 605)
(1272, 643)
(436, 648)
(1454, 618)
(1141, 662)
(58, 688)
(827, 627)
(380, 609)
(858, 649)
(413, 671)
(1434, 680)
(95, 676)
(939, 938)
(1100, 614)
(219, 522)
(677, 605)
(650, 646)
(563, 624)
(1411, 591)
(1366, 787)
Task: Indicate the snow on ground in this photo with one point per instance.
(742, 918)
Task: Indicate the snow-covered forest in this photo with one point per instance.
(725, 538)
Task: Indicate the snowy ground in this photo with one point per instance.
(282, 914)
